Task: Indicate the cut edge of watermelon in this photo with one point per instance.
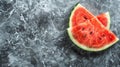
(70, 18)
(108, 17)
(87, 48)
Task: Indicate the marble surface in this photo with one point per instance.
(33, 34)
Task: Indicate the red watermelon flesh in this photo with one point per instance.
(92, 35)
(104, 18)
(80, 14)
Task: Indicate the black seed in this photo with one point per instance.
(91, 32)
(83, 29)
(100, 38)
(85, 17)
(103, 35)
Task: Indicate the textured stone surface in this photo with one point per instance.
(33, 34)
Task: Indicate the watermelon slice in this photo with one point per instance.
(80, 14)
(104, 18)
(92, 35)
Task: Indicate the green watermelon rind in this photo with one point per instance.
(77, 6)
(87, 48)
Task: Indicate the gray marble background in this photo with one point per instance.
(33, 34)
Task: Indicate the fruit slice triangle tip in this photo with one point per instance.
(104, 18)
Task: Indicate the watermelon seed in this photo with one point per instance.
(91, 32)
(83, 29)
(103, 35)
(100, 38)
(85, 17)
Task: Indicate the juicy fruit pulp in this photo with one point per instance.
(104, 18)
(89, 32)
(81, 14)
(92, 36)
